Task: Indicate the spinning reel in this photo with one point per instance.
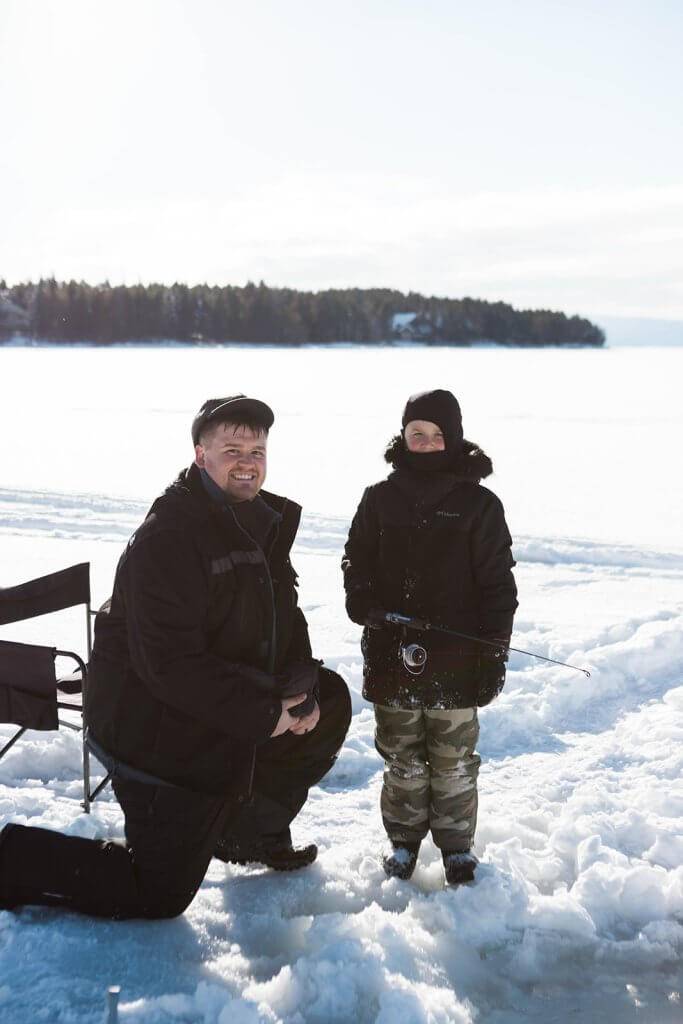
(414, 658)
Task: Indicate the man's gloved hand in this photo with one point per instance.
(300, 677)
(492, 668)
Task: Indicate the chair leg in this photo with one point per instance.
(88, 795)
(86, 776)
(69, 725)
(11, 743)
(99, 787)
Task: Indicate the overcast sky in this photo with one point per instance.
(526, 151)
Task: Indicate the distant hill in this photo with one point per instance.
(74, 311)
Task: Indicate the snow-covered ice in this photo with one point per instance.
(577, 910)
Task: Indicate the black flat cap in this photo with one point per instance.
(234, 409)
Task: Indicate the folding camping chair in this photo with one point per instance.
(29, 687)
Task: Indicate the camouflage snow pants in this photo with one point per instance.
(430, 778)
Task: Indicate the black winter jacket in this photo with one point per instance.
(200, 618)
(435, 546)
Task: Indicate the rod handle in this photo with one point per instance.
(113, 993)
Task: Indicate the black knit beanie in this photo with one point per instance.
(440, 407)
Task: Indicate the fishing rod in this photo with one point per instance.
(418, 655)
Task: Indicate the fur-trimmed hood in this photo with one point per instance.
(471, 464)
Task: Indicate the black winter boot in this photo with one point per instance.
(460, 866)
(275, 852)
(400, 859)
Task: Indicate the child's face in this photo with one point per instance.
(423, 436)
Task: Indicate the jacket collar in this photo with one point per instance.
(423, 490)
(426, 490)
(472, 463)
(187, 497)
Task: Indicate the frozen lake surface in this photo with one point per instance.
(578, 906)
(583, 442)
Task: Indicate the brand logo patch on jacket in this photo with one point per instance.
(448, 515)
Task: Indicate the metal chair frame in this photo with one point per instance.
(89, 795)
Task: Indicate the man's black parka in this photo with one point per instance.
(200, 619)
(435, 546)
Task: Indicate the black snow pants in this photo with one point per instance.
(170, 832)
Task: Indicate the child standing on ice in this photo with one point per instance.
(432, 543)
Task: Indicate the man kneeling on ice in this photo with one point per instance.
(203, 697)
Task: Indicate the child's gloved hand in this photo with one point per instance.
(491, 677)
(361, 607)
(376, 618)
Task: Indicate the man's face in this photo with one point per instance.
(423, 436)
(235, 459)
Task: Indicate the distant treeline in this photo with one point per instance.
(74, 311)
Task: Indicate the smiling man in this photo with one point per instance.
(233, 457)
(203, 697)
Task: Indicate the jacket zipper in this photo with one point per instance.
(271, 646)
